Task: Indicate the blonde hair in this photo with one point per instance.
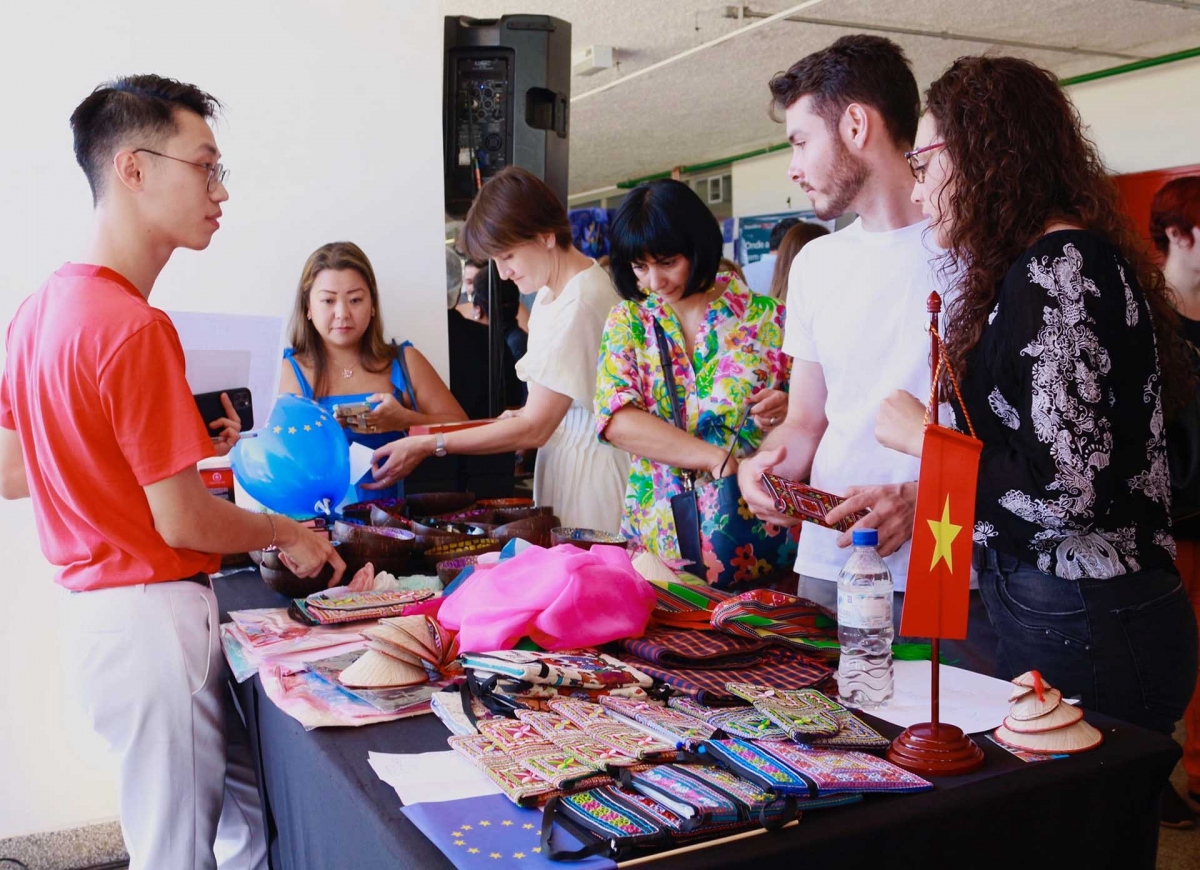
(307, 343)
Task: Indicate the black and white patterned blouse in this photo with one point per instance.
(1063, 388)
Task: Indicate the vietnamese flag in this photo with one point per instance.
(939, 564)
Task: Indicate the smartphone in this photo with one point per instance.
(211, 408)
(350, 409)
(805, 502)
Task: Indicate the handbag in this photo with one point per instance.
(718, 536)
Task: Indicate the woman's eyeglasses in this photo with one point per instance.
(918, 168)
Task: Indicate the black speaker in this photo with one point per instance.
(506, 96)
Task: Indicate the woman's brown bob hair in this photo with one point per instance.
(512, 208)
(376, 353)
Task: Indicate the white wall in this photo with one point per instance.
(332, 131)
(761, 186)
(1141, 120)
(1144, 120)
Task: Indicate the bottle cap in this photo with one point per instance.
(865, 538)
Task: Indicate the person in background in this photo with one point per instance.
(724, 348)
(468, 345)
(471, 269)
(99, 429)
(339, 353)
(732, 268)
(857, 320)
(520, 223)
(1175, 231)
(760, 273)
(1061, 333)
(793, 240)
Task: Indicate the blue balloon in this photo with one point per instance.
(299, 463)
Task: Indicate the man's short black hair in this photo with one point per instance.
(118, 110)
(870, 70)
(661, 219)
(779, 231)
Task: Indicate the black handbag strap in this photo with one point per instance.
(664, 358)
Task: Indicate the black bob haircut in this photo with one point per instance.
(661, 219)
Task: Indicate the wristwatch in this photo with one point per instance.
(440, 449)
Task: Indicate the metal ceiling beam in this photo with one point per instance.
(746, 12)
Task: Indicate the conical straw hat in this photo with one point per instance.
(416, 627)
(1074, 738)
(1060, 717)
(1031, 706)
(1018, 692)
(395, 652)
(374, 670)
(1029, 680)
(399, 644)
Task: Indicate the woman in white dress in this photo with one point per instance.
(517, 221)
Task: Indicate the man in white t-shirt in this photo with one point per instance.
(856, 314)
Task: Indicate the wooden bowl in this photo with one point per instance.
(512, 514)
(503, 503)
(470, 547)
(586, 538)
(382, 518)
(448, 569)
(432, 504)
(280, 578)
(365, 511)
(387, 549)
(535, 530)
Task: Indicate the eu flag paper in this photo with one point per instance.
(492, 832)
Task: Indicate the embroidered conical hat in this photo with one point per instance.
(1074, 738)
(1060, 717)
(1031, 706)
(374, 670)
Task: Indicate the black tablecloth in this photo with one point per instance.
(327, 809)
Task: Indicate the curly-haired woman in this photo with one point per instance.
(1060, 331)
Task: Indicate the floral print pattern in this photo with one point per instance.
(738, 353)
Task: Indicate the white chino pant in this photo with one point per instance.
(146, 663)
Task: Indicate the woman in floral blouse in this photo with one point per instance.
(1061, 335)
(723, 342)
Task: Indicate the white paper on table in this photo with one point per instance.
(429, 777)
(971, 701)
(227, 351)
(360, 461)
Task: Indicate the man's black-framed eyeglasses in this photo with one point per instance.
(918, 168)
(216, 172)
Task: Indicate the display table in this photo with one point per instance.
(326, 808)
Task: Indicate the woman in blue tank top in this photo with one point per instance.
(339, 354)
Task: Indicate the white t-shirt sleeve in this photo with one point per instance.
(798, 340)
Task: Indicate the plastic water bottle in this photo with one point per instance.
(864, 611)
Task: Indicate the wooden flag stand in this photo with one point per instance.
(934, 748)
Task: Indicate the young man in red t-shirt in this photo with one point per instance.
(98, 427)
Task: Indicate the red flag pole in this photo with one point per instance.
(931, 748)
(934, 306)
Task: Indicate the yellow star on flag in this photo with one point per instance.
(495, 855)
(527, 826)
(277, 429)
(307, 428)
(473, 851)
(465, 827)
(507, 823)
(460, 843)
(537, 849)
(485, 824)
(291, 430)
(944, 533)
(518, 854)
(456, 834)
(318, 424)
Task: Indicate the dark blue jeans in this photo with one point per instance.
(1125, 646)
